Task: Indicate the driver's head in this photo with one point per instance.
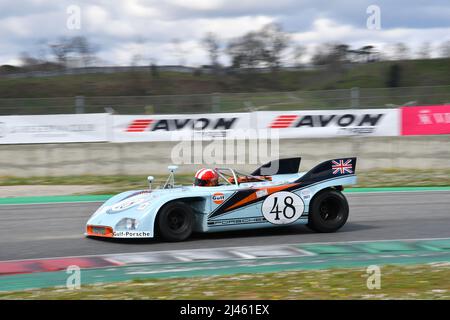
(206, 178)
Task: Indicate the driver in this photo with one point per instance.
(206, 178)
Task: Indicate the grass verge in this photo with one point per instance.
(116, 184)
(431, 281)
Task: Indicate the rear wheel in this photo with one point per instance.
(328, 211)
(175, 221)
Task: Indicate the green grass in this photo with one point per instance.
(115, 184)
(431, 72)
(397, 282)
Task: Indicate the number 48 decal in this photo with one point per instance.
(282, 207)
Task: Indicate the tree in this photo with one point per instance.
(331, 54)
(27, 60)
(246, 51)
(60, 50)
(179, 52)
(211, 43)
(262, 48)
(424, 51)
(368, 53)
(298, 53)
(83, 49)
(275, 41)
(445, 49)
(154, 71)
(136, 60)
(394, 76)
(76, 48)
(401, 51)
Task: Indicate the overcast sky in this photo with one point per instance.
(124, 29)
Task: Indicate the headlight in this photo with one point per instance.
(127, 224)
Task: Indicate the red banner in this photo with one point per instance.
(425, 120)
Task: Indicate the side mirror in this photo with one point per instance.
(170, 183)
(150, 180)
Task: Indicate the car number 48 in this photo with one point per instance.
(282, 207)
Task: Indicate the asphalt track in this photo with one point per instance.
(56, 230)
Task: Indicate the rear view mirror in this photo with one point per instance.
(150, 180)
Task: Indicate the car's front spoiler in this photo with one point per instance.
(108, 232)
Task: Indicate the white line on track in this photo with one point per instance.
(102, 201)
(399, 191)
(47, 203)
(111, 255)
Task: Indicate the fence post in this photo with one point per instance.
(79, 104)
(215, 102)
(354, 96)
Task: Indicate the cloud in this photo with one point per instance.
(123, 29)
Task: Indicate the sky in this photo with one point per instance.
(143, 31)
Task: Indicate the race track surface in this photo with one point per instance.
(56, 230)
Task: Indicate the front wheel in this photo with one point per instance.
(175, 221)
(328, 211)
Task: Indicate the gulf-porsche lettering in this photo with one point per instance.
(340, 120)
(142, 125)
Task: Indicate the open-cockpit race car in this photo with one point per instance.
(274, 195)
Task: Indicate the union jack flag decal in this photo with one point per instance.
(341, 167)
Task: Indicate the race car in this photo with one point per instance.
(222, 199)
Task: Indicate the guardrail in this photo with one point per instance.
(354, 98)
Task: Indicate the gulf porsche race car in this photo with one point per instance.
(274, 195)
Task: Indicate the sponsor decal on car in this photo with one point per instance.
(228, 222)
(143, 206)
(261, 193)
(128, 203)
(132, 234)
(306, 194)
(218, 197)
(282, 207)
(342, 166)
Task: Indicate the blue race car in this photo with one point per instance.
(221, 199)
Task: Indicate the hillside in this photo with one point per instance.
(372, 75)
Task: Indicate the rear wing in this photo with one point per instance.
(280, 166)
(330, 169)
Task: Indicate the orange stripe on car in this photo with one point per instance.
(253, 196)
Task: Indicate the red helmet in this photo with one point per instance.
(206, 177)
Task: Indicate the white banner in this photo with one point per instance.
(54, 128)
(331, 123)
(128, 128)
(140, 128)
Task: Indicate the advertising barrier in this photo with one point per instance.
(54, 128)
(425, 120)
(415, 120)
(352, 122)
(127, 128)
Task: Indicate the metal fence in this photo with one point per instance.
(231, 102)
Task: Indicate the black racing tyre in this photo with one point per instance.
(175, 221)
(328, 211)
